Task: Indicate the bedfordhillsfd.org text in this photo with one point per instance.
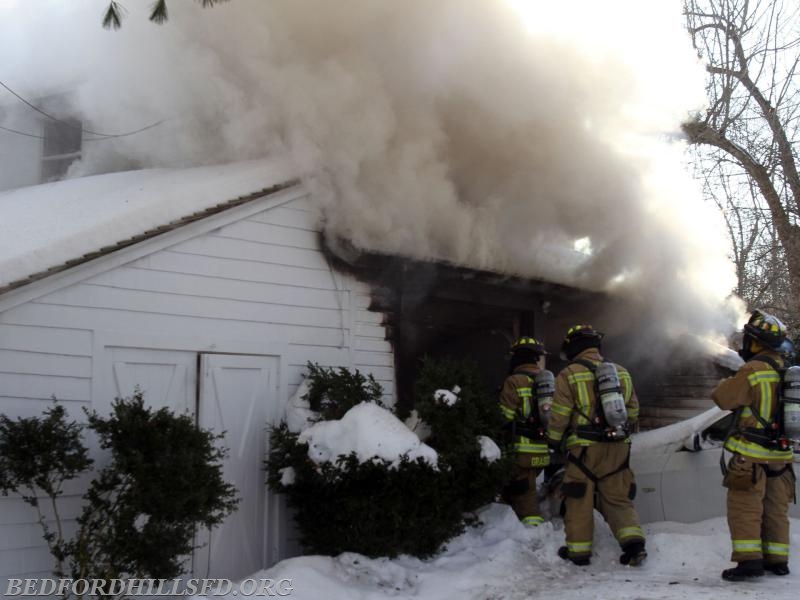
(147, 587)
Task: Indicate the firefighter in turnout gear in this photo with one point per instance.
(759, 475)
(594, 411)
(525, 404)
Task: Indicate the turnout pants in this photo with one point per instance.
(521, 493)
(610, 489)
(758, 509)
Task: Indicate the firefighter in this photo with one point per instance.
(594, 411)
(759, 475)
(519, 407)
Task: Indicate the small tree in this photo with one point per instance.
(40, 454)
(746, 141)
(163, 480)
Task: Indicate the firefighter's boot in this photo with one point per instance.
(633, 554)
(743, 571)
(581, 561)
(777, 568)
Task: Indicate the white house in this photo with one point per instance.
(205, 287)
(34, 147)
(210, 289)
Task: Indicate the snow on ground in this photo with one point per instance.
(46, 225)
(369, 431)
(502, 559)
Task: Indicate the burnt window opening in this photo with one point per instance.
(61, 147)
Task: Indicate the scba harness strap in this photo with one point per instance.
(531, 428)
(581, 460)
(770, 436)
(597, 429)
(577, 489)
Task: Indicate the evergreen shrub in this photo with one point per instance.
(376, 508)
(141, 511)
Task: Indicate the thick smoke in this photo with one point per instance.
(488, 133)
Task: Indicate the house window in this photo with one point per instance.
(60, 148)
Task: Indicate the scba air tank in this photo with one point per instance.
(611, 399)
(545, 390)
(791, 403)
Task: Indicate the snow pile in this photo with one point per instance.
(298, 415)
(489, 450)
(676, 436)
(448, 397)
(288, 476)
(46, 225)
(141, 520)
(503, 559)
(415, 423)
(368, 430)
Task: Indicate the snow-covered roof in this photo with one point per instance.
(47, 228)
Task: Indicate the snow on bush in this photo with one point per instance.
(418, 426)
(365, 482)
(299, 415)
(489, 450)
(369, 431)
(288, 475)
(447, 397)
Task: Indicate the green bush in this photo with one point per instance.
(332, 392)
(379, 509)
(141, 510)
(455, 428)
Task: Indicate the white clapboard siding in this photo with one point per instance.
(29, 535)
(373, 345)
(172, 303)
(262, 279)
(21, 562)
(239, 269)
(217, 287)
(222, 247)
(34, 407)
(73, 342)
(23, 385)
(35, 313)
(289, 217)
(277, 235)
(43, 363)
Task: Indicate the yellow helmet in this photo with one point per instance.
(766, 328)
(578, 339)
(527, 343)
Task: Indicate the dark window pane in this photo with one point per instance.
(62, 137)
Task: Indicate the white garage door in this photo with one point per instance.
(238, 395)
(168, 378)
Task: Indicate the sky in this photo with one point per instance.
(500, 135)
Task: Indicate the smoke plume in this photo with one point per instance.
(506, 135)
